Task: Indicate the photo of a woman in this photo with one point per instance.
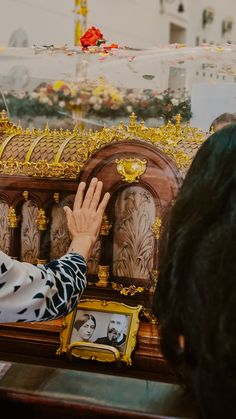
(84, 327)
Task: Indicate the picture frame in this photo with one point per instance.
(100, 330)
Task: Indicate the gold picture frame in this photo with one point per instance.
(100, 330)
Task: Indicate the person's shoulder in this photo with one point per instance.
(101, 340)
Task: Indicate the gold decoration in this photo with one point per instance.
(156, 227)
(131, 169)
(13, 219)
(131, 290)
(132, 120)
(105, 227)
(149, 316)
(71, 149)
(41, 220)
(80, 11)
(103, 275)
(41, 261)
(56, 197)
(94, 351)
(26, 195)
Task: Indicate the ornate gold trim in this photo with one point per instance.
(131, 290)
(177, 141)
(131, 169)
(94, 351)
(13, 219)
(41, 220)
(105, 227)
(103, 275)
(156, 227)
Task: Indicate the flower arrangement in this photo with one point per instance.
(98, 99)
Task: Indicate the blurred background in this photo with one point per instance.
(157, 73)
(135, 23)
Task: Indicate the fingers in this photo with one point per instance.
(79, 196)
(92, 197)
(103, 203)
(96, 196)
(90, 193)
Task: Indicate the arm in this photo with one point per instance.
(31, 293)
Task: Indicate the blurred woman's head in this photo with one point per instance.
(195, 298)
(85, 325)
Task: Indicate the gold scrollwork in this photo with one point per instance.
(41, 220)
(56, 197)
(149, 316)
(156, 227)
(26, 195)
(131, 169)
(103, 275)
(41, 261)
(131, 290)
(105, 227)
(13, 219)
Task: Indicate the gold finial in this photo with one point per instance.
(56, 197)
(3, 115)
(105, 227)
(46, 129)
(132, 120)
(103, 275)
(156, 227)
(26, 195)
(178, 119)
(41, 220)
(13, 220)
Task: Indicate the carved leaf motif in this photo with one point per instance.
(59, 239)
(133, 238)
(29, 233)
(4, 228)
(94, 259)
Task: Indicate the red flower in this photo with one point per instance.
(92, 37)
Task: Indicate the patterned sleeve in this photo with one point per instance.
(31, 293)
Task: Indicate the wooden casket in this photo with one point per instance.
(142, 168)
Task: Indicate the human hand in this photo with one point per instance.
(85, 220)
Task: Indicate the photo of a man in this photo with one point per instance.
(116, 332)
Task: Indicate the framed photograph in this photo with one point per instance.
(100, 330)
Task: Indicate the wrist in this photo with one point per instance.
(82, 244)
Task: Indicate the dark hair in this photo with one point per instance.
(222, 120)
(196, 290)
(83, 318)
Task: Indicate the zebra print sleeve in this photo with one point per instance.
(31, 293)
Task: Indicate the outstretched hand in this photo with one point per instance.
(85, 220)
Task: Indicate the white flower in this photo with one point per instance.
(92, 100)
(174, 102)
(129, 109)
(34, 95)
(62, 103)
(44, 99)
(96, 107)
